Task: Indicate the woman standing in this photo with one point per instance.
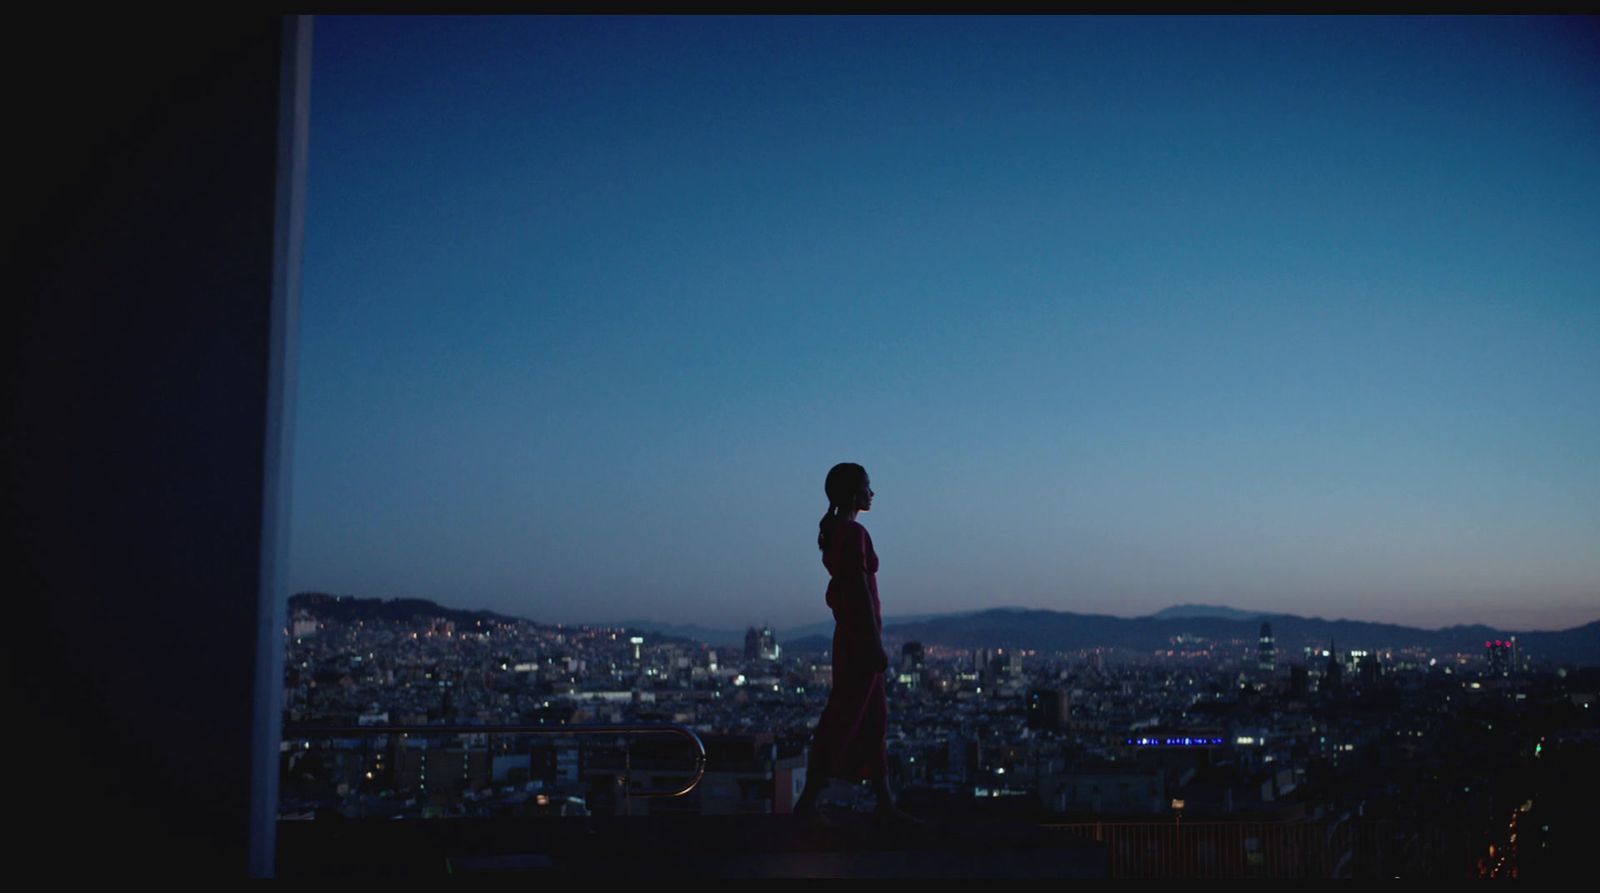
(849, 740)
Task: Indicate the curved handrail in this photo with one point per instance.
(291, 730)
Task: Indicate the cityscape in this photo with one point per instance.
(1123, 315)
(1410, 761)
(418, 429)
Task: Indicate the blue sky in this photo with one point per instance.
(1294, 314)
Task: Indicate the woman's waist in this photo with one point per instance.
(852, 576)
(836, 602)
(849, 620)
(844, 582)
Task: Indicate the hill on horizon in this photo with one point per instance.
(1046, 630)
(1183, 612)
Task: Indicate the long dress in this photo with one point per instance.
(850, 734)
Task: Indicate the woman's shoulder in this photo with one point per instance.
(854, 530)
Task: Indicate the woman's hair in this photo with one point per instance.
(843, 483)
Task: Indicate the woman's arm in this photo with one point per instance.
(872, 636)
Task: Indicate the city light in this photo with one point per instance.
(1102, 755)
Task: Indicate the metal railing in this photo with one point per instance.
(698, 747)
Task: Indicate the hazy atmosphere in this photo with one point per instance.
(1292, 315)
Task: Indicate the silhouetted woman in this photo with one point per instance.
(849, 740)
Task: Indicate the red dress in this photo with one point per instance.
(850, 734)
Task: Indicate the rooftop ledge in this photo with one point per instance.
(651, 847)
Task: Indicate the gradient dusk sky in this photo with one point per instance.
(1296, 315)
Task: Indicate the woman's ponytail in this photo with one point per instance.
(825, 526)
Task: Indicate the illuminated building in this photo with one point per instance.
(437, 772)
(911, 665)
(760, 644)
(1501, 655)
(305, 625)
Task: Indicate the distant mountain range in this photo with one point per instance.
(735, 637)
(1064, 631)
(344, 608)
(1041, 630)
(1188, 612)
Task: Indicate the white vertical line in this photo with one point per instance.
(294, 106)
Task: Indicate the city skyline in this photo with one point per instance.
(734, 627)
(1288, 315)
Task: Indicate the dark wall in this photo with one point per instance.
(136, 361)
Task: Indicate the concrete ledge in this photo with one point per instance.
(752, 846)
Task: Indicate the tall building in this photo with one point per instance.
(981, 658)
(1501, 655)
(1266, 651)
(1004, 664)
(1047, 709)
(1369, 668)
(910, 665)
(760, 644)
(1333, 676)
(1298, 682)
(911, 657)
(304, 624)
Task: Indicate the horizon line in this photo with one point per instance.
(964, 612)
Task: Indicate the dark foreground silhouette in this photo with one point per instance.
(849, 739)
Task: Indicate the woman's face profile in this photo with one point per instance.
(864, 497)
